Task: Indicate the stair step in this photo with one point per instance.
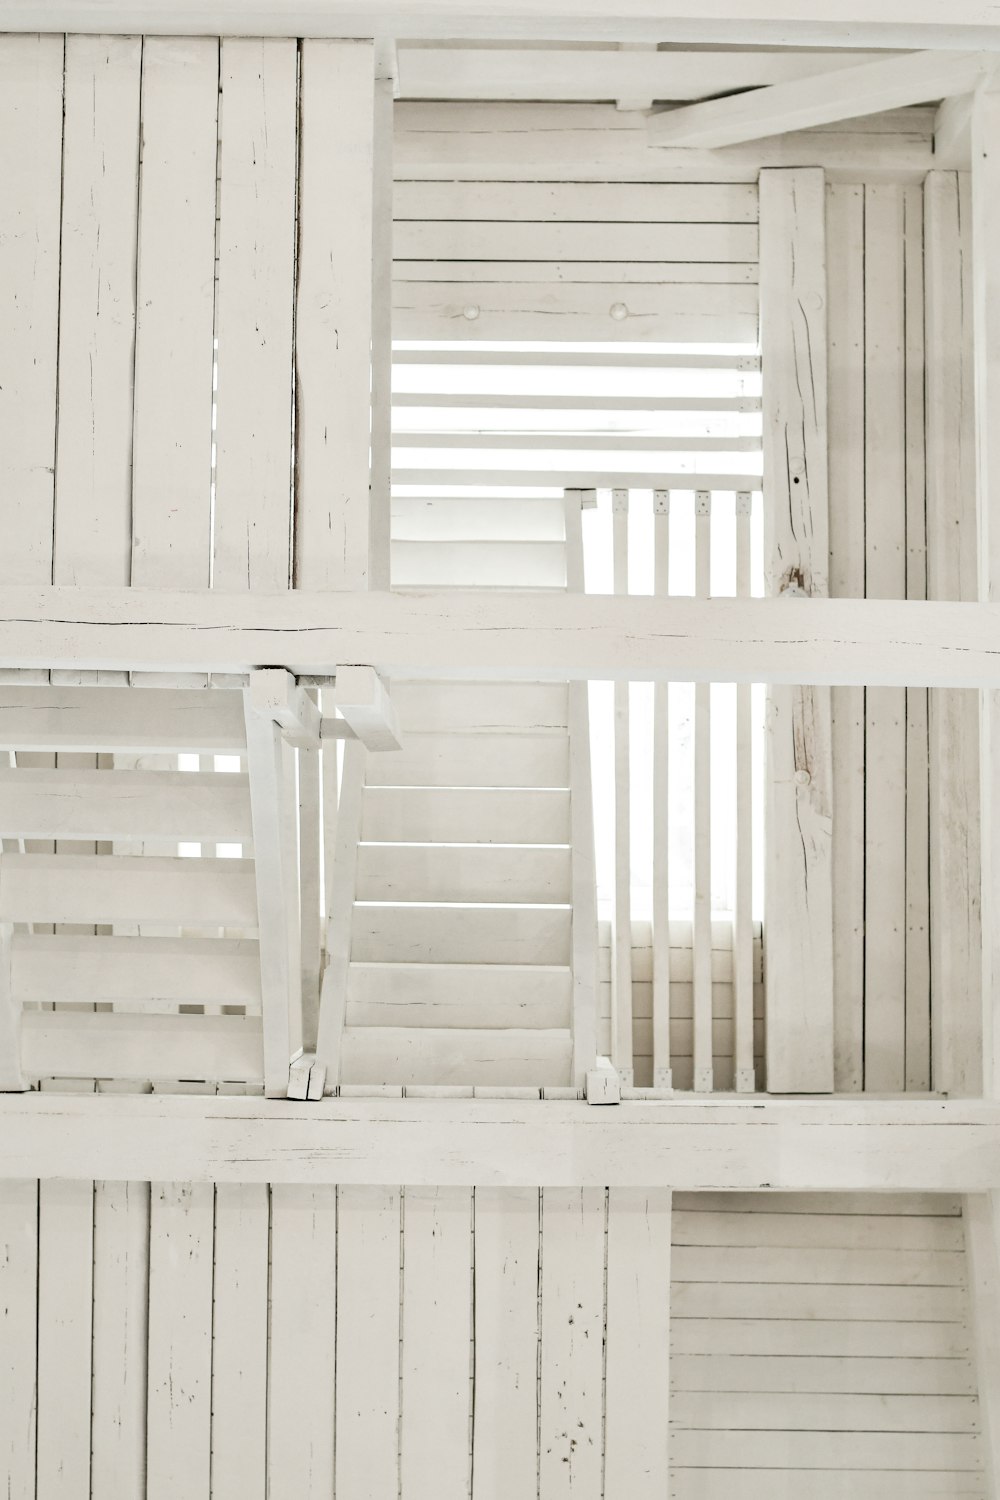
(461, 934)
(476, 564)
(138, 972)
(464, 815)
(481, 760)
(419, 518)
(459, 995)
(490, 707)
(464, 872)
(102, 888)
(412, 1055)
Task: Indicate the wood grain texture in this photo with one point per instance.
(121, 1293)
(239, 1342)
(637, 1382)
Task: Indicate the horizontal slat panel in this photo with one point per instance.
(826, 1231)
(918, 1304)
(681, 311)
(458, 995)
(106, 889)
(744, 1263)
(398, 814)
(822, 1373)
(582, 479)
(822, 1484)
(143, 973)
(419, 520)
(125, 805)
(433, 707)
(157, 1048)
(546, 401)
(127, 720)
(473, 563)
(461, 872)
(570, 358)
(827, 1450)
(482, 760)
(894, 1205)
(592, 202)
(801, 1411)
(614, 272)
(421, 239)
(787, 1334)
(373, 1054)
(593, 442)
(461, 934)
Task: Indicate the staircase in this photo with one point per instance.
(460, 959)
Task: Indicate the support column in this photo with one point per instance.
(798, 888)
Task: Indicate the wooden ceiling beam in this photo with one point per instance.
(807, 103)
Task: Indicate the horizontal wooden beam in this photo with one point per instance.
(808, 102)
(509, 635)
(843, 1145)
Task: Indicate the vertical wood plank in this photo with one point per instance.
(31, 128)
(93, 523)
(436, 1344)
(368, 1269)
(662, 1074)
(172, 432)
(571, 1411)
(121, 1294)
(584, 875)
(798, 894)
(701, 930)
(885, 578)
(253, 502)
(12, 1080)
(312, 828)
(341, 874)
(621, 926)
(637, 1397)
(956, 977)
(239, 1342)
(180, 1340)
(744, 1079)
(845, 220)
(300, 1396)
(333, 315)
(18, 1346)
(981, 1222)
(380, 515)
(65, 1326)
(505, 1431)
(918, 975)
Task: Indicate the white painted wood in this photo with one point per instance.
(798, 776)
(416, 1054)
(486, 761)
(18, 1359)
(11, 1073)
(540, 202)
(702, 914)
(334, 315)
(454, 872)
(311, 832)
(79, 888)
(383, 235)
(178, 1412)
(124, 805)
(172, 430)
(452, 814)
(65, 1313)
(137, 722)
(621, 925)
(157, 1048)
(953, 133)
(435, 1385)
(980, 1221)
(637, 1382)
(743, 929)
(469, 239)
(239, 1341)
(801, 1146)
(846, 464)
(827, 1484)
(341, 876)
(491, 707)
(31, 90)
(302, 1344)
(478, 564)
(814, 1450)
(867, 1303)
(662, 1076)
(140, 971)
(706, 1411)
(416, 519)
(92, 535)
(818, 1265)
(368, 1348)
(460, 995)
(463, 934)
(274, 808)
(956, 979)
(792, 1338)
(505, 1432)
(629, 359)
(121, 1292)
(571, 1369)
(791, 1374)
(258, 150)
(803, 104)
(362, 698)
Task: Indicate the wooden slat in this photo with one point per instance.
(803, 1411)
(92, 533)
(368, 1351)
(809, 1265)
(461, 934)
(43, 888)
(138, 971)
(590, 272)
(453, 872)
(798, 887)
(505, 1433)
(572, 358)
(31, 126)
(478, 564)
(333, 315)
(142, 1048)
(508, 760)
(845, 209)
(930, 1304)
(493, 442)
(459, 995)
(172, 439)
(302, 1345)
(124, 805)
(702, 914)
(621, 922)
(461, 815)
(18, 1351)
(661, 817)
(828, 1484)
(571, 1373)
(583, 866)
(822, 1450)
(743, 932)
(239, 1341)
(494, 707)
(637, 1382)
(603, 202)
(422, 1054)
(821, 1374)
(420, 519)
(138, 721)
(258, 156)
(827, 1231)
(121, 1294)
(780, 1338)
(922, 1205)
(180, 1340)
(462, 239)
(65, 1329)
(435, 1388)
